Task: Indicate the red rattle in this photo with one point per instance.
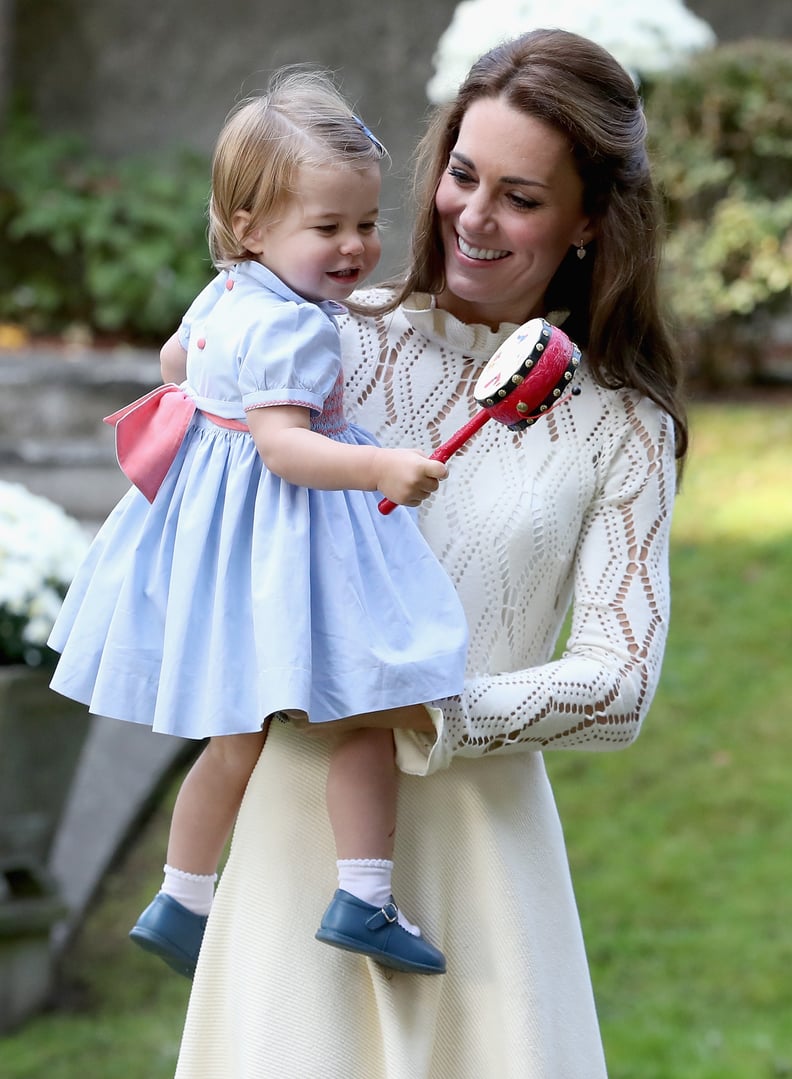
(529, 374)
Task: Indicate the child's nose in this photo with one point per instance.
(352, 244)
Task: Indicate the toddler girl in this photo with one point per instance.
(248, 573)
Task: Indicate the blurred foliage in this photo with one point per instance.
(113, 248)
(721, 144)
(119, 248)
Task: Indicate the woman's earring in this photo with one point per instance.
(581, 250)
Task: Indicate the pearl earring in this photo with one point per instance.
(581, 251)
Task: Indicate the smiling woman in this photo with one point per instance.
(509, 206)
(541, 150)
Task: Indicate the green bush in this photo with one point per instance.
(116, 248)
(721, 142)
(119, 247)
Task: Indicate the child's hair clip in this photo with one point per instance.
(370, 135)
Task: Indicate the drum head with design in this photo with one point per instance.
(530, 373)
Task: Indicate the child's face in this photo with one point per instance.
(327, 240)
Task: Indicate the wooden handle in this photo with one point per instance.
(442, 453)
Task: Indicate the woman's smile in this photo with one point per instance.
(510, 207)
(479, 254)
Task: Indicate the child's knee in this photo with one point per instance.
(236, 752)
(376, 742)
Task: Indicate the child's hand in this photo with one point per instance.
(407, 477)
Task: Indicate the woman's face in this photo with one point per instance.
(510, 205)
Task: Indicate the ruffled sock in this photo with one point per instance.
(369, 879)
(193, 890)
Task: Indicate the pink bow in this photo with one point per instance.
(148, 434)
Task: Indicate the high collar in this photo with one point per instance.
(474, 340)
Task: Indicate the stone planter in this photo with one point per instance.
(41, 737)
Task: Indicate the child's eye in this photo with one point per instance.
(368, 226)
(327, 230)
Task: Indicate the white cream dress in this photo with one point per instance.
(577, 508)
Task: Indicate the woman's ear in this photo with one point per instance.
(250, 238)
(589, 232)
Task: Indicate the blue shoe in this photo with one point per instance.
(356, 926)
(172, 932)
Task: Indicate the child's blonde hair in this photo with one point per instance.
(300, 121)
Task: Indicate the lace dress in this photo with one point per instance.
(578, 505)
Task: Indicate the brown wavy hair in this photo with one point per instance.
(612, 295)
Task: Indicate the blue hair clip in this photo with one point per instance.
(369, 135)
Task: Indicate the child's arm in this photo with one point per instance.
(291, 450)
(173, 360)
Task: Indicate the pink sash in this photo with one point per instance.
(149, 432)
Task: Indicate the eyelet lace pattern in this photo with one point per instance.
(575, 509)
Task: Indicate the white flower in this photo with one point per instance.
(645, 38)
(41, 547)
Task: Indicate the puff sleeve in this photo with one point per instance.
(292, 358)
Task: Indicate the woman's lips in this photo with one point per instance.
(480, 254)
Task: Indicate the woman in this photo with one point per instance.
(533, 199)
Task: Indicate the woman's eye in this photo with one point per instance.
(460, 175)
(520, 202)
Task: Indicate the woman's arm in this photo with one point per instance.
(596, 696)
(291, 450)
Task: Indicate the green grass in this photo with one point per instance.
(118, 1014)
(679, 845)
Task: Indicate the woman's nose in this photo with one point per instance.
(476, 215)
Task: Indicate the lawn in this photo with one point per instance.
(679, 845)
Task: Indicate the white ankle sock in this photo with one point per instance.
(369, 879)
(192, 890)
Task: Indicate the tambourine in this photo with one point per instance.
(530, 374)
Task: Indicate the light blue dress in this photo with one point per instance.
(234, 594)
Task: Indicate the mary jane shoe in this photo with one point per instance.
(356, 926)
(168, 929)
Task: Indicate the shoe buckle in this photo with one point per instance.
(390, 912)
(386, 915)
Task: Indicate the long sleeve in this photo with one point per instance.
(573, 512)
(597, 694)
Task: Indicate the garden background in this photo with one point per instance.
(679, 846)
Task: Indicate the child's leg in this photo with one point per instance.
(361, 803)
(172, 926)
(361, 794)
(204, 814)
(362, 791)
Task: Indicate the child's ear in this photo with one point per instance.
(250, 238)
